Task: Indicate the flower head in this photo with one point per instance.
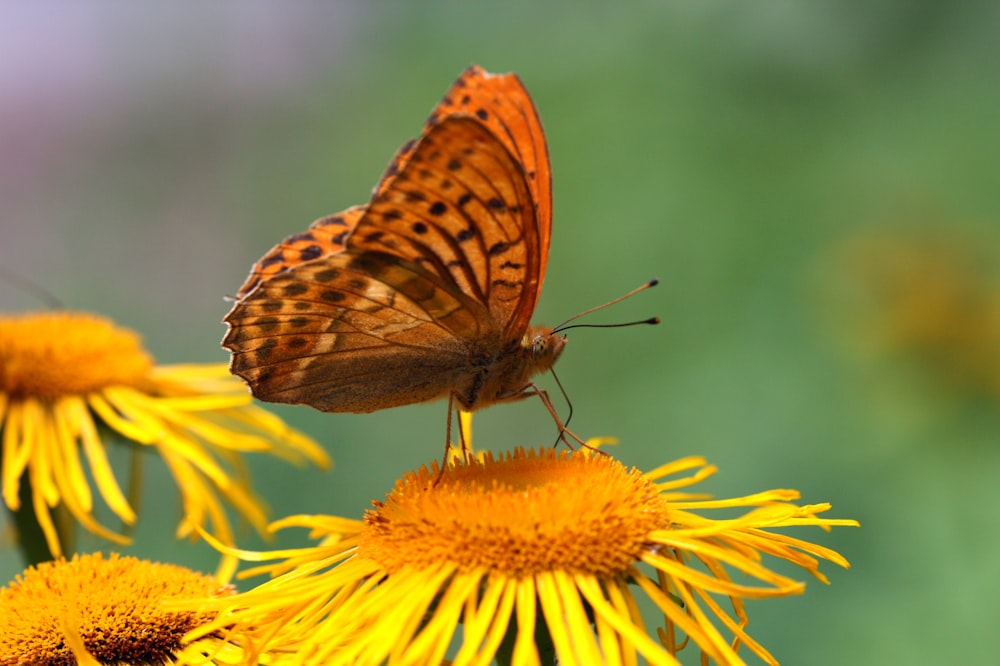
(530, 549)
(93, 609)
(929, 298)
(69, 381)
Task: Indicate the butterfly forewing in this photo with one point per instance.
(502, 104)
(461, 210)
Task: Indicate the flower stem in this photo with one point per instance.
(31, 538)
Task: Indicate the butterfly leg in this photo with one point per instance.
(533, 389)
(464, 422)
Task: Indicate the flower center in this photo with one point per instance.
(113, 602)
(47, 355)
(525, 513)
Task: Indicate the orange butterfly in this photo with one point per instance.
(427, 291)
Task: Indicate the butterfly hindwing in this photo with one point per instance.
(324, 236)
(318, 331)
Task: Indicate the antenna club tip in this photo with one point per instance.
(653, 282)
(654, 320)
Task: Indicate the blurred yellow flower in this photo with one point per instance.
(95, 610)
(70, 380)
(539, 556)
(928, 297)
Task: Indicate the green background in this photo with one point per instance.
(152, 154)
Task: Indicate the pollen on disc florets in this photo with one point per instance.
(114, 603)
(528, 512)
(51, 354)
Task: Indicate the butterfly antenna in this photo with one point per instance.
(29, 287)
(652, 320)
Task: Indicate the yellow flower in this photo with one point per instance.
(70, 380)
(94, 610)
(928, 297)
(538, 555)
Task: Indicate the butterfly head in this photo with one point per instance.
(543, 346)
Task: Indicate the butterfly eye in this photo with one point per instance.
(539, 344)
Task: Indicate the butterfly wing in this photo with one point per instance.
(434, 276)
(502, 104)
(350, 333)
(324, 236)
(462, 210)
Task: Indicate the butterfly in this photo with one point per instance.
(427, 291)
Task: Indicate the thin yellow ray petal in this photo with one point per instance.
(64, 475)
(18, 447)
(142, 408)
(614, 647)
(498, 629)
(195, 455)
(621, 599)
(608, 639)
(200, 403)
(755, 499)
(552, 609)
(52, 467)
(767, 539)
(216, 373)
(679, 571)
(319, 523)
(289, 443)
(97, 458)
(45, 463)
(714, 643)
(636, 638)
(484, 624)
(736, 628)
(576, 619)
(525, 651)
(431, 644)
(678, 616)
(69, 468)
(748, 566)
(399, 608)
(44, 519)
(141, 433)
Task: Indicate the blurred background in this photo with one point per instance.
(815, 184)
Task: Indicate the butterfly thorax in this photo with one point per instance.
(507, 375)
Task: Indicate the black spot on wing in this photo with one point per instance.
(498, 248)
(326, 275)
(311, 252)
